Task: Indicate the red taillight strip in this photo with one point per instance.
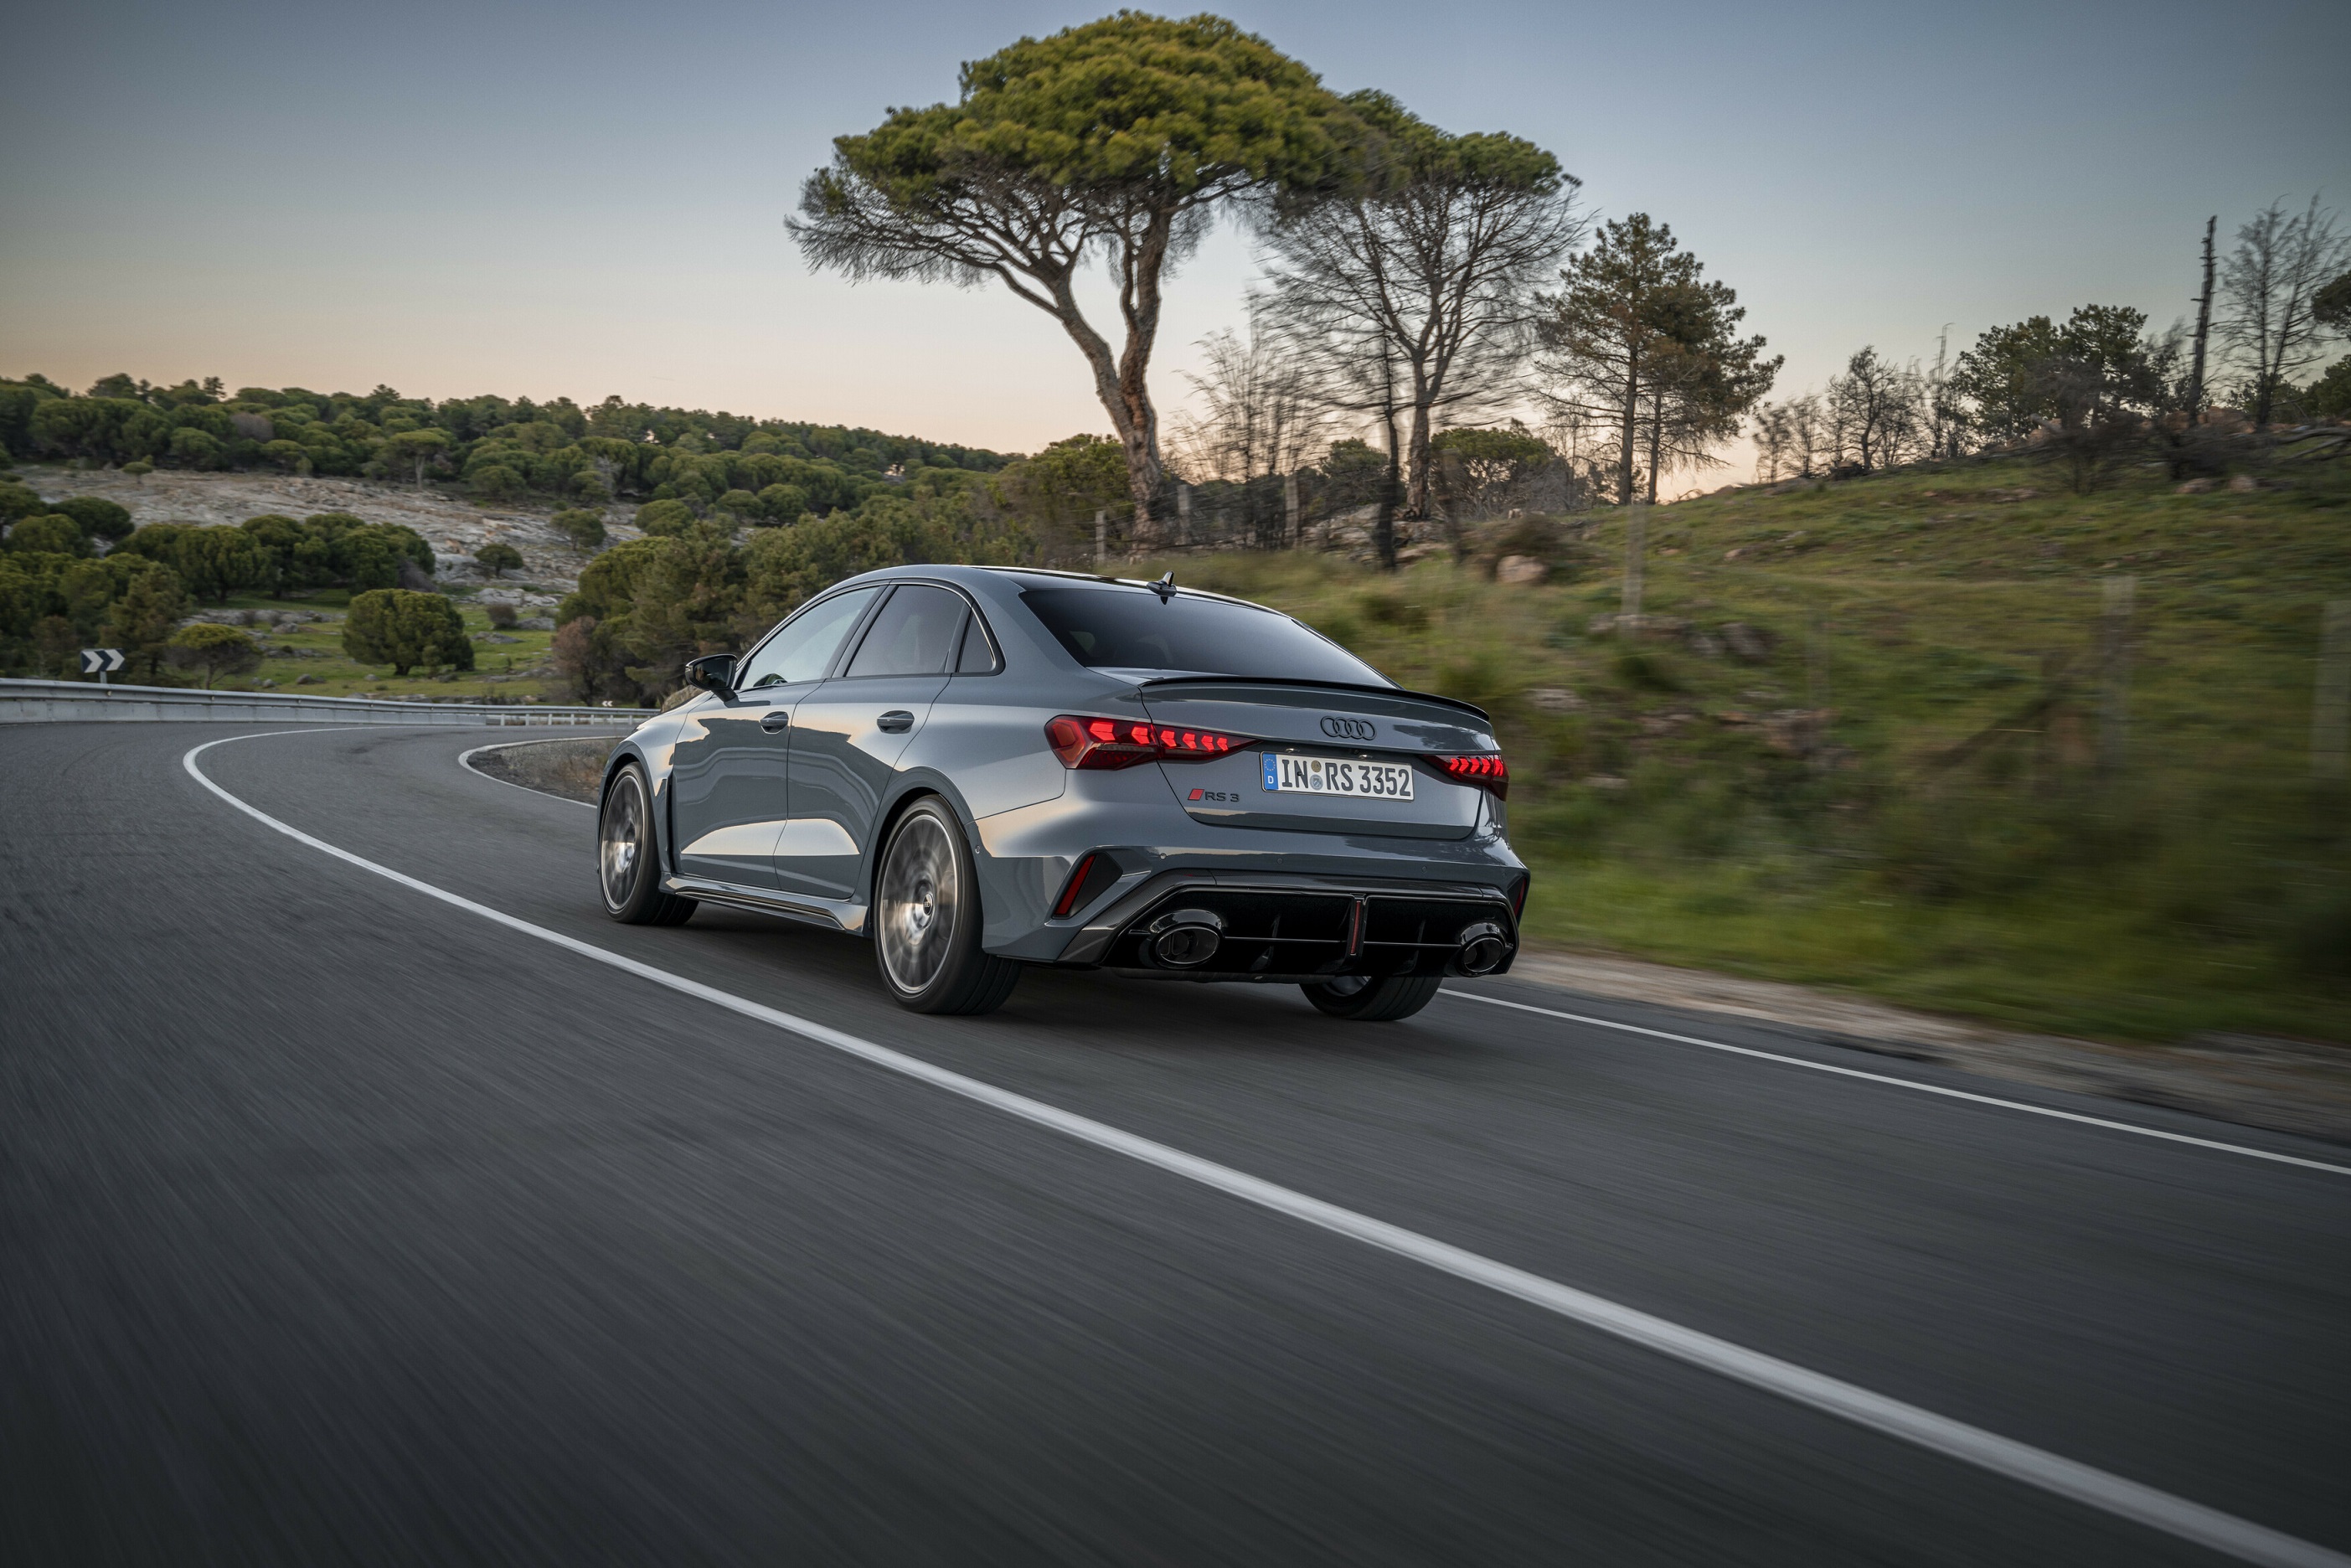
(1484, 769)
(1122, 743)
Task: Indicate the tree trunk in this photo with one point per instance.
(2203, 329)
(1656, 437)
(1415, 499)
(1632, 426)
(1384, 526)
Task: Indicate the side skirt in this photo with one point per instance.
(838, 914)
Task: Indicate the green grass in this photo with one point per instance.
(2205, 885)
(501, 671)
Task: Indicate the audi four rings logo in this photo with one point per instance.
(1339, 728)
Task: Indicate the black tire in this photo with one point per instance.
(1381, 1001)
(926, 919)
(628, 856)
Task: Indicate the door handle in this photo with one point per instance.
(898, 721)
(775, 720)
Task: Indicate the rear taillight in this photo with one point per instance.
(1484, 769)
(1123, 742)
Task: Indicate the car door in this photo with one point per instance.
(730, 765)
(848, 735)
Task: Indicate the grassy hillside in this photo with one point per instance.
(509, 665)
(1898, 789)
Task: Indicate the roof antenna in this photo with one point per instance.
(1165, 587)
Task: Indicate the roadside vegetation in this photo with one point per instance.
(1879, 733)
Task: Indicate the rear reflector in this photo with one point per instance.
(1123, 742)
(1484, 769)
(1069, 899)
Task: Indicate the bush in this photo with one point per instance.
(496, 481)
(405, 630)
(214, 649)
(666, 517)
(139, 470)
(501, 613)
(499, 560)
(98, 517)
(582, 527)
(55, 535)
(21, 501)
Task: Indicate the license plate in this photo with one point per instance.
(1334, 775)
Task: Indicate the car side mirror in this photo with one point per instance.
(712, 673)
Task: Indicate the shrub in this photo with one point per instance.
(214, 649)
(404, 628)
(499, 558)
(54, 534)
(496, 481)
(140, 622)
(581, 525)
(501, 613)
(98, 517)
(665, 516)
(139, 470)
(21, 501)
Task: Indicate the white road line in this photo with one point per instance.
(2246, 1150)
(2017, 1461)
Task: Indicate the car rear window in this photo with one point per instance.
(1132, 629)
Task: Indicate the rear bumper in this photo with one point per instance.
(1278, 927)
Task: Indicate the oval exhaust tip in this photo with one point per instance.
(1187, 938)
(1482, 950)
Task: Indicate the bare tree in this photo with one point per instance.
(1262, 415)
(2271, 283)
(1788, 438)
(1874, 412)
(1425, 268)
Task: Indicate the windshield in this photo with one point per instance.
(1131, 628)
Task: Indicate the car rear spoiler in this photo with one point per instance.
(1145, 688)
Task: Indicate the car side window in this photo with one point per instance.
(979, 657)
(914, 634)
(804, 647)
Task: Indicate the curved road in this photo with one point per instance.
(343, 1223)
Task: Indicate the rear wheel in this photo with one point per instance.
(926, 919)
(628, 865)
(1369, 1000)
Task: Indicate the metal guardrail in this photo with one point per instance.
(68, 702)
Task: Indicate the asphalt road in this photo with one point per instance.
(340, 1225)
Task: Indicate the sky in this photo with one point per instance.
(587, 199)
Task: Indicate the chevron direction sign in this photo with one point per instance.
(100, 662)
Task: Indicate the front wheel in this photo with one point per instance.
(926, 919)
(1366, 1000)
(628, 865)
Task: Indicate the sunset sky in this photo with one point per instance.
(543, 200)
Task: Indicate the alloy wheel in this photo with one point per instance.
(916, 919)
(621, 840)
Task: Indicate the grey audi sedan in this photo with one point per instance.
(980, 769)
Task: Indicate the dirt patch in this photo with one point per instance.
(2285, 1085)
(571, 767)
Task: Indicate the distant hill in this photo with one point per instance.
(499, 449)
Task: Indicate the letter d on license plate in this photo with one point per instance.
(1338, 775)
